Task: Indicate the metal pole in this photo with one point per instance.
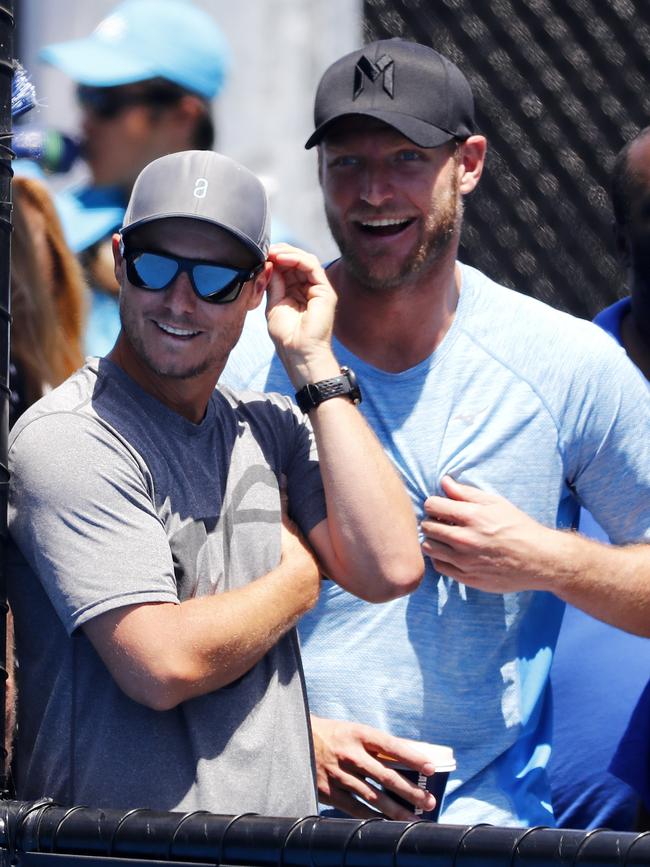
(37, 834)
(6, 74)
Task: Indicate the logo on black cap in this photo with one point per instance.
(368, 69)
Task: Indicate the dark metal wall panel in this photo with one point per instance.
(560, 86)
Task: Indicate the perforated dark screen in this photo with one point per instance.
(559, 88)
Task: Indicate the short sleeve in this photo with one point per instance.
(81, 511)
(608, 444)
(302, 469)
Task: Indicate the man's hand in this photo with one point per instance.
(346, 758)
(300, 314)
(484, 541)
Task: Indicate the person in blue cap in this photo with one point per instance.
(145, 79)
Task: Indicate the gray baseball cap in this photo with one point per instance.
(202, 185)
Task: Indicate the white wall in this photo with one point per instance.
(280, 49)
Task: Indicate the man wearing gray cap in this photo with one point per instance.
(477, 393)
(156, 575)
(145, 79)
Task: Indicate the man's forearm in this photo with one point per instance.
(163, 654)
(375, 551)
(610, 582)
(369, 542)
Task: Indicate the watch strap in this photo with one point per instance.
(314, 393)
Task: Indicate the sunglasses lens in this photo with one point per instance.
(108, 102)
(218, 284)
(103, 102)
(215, 283)
(151, 271)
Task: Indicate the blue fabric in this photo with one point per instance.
(24, 168)
(89, 214)
(611, 317)
(518, 399)
(102, 324)
(588, 723)
(631, 762)
(143, 39)
(598, 675)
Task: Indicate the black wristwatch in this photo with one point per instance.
(312, 395)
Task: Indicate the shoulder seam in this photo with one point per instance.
(534, 388)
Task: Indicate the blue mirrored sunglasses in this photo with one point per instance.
(218, 284)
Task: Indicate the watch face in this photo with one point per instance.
(355, 391)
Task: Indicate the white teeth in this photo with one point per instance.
(379, 223)
(179, 332)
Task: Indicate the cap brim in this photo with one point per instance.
(420, 133)
(247, 242)
(88, 61)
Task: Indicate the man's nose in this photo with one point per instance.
(376, 187)
(180, 298)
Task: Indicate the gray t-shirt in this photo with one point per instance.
(116, 500)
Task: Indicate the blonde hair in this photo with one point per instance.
(47, 292)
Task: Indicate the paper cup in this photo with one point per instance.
(442, 758)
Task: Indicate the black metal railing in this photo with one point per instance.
(38, 834)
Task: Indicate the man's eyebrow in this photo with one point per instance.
(334, 144)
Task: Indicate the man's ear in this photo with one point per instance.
(622, 243)
(118, 257)
(319, 152)
(259, 286)
(472, 160)
(186, 113)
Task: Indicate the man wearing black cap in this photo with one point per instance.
(475, 392)
(156, 582)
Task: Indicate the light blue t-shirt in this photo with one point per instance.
(524, 401)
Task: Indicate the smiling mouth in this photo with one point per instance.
(182, 333)
(384, 228)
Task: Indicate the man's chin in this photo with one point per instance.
(180, 373)
(384, 277)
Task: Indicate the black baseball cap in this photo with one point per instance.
(407, 85)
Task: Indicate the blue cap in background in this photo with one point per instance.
(144, 39)
(89, 214)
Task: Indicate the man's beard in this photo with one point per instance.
(172, 368)
(441, 229)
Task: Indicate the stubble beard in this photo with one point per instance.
(440, 231)
(174, 368)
